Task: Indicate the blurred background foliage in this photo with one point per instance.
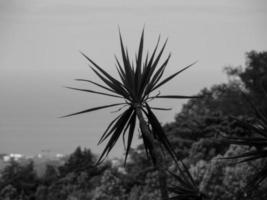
(197, 134)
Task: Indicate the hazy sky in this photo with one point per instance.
(39, 54)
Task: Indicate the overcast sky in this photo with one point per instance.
(39, 54)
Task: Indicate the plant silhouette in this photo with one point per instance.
(138, 80)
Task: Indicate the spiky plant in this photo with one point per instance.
(186, 188)
(138, 80)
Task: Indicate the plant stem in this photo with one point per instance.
(159, 165)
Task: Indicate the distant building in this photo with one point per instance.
(12, 156)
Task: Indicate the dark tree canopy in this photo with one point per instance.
(254, 77)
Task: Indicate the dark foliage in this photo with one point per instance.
(22, 178)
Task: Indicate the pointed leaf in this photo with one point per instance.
(97, 84)
(176, 97)
(159, 132)
(156, 108)
(119, 126)
(111, 79)
(93, 109)
(172, 76)
(92, 91)
(130, 135)
(109, 130)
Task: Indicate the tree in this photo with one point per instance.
(138, 81)
(196, 133)
(254, 77)
(80, 161)
(112, 186)
(9, 193)
(20, 177)
(50, 175)
(258, 140)
(41, 192)
(221, 179)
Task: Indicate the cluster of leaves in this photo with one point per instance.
(138, 80)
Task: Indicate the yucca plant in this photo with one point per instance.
(138, 80)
